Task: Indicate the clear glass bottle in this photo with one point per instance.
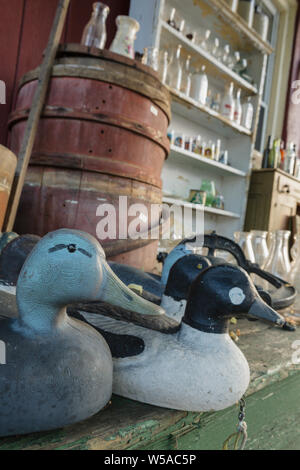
(123, 42)
(163, 66)
(94, 34)
(186, 77)
(216, 102)
(295, 250)
(150, 57)
(290, 159)
(227, 106)
(247, 114)
(260, 247)
(199, 86)
(244, 240)
(175, 70)
(237, 117)
(261, 22)
(278, 262)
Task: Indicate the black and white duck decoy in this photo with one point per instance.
(195, 367)
(56, 370)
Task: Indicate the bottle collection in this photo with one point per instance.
(253, 13)
(196, 144)
(207, 195)
(94, 33)
(286, 159)
(211, 45)
(270, 250)
(193, 83)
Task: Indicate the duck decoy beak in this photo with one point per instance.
(259, 309)
(114, 292)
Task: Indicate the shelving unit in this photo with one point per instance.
(209, 210)
(212, 64)
(182, 155)
(184, 170)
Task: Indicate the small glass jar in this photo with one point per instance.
(123, 42)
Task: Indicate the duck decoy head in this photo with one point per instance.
(67, 267)
(221, 292)
(183, 273)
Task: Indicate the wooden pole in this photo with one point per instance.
(35, 113)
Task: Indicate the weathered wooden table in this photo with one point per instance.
(272, 410)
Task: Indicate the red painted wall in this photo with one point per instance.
(24, 30)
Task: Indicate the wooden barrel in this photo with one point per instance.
(102, 134)
(8, 163)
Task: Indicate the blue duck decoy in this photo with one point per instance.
(56, 370)
(196, 367)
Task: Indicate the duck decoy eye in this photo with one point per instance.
(72, 248)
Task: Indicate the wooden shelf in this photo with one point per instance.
(250, 38)
(214, 67)
(182, 155)
(209, 210)
(205, 116)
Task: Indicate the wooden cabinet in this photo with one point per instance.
(273, 198)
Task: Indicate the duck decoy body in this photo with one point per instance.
(58, 370)
(198, 367)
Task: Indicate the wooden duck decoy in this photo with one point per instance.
(56, 370)
(197, 367)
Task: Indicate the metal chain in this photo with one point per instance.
(241, 433)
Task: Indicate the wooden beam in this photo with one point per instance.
(35, 113)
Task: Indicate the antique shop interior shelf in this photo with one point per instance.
(181, 155)
(184, 170)
(213, 66)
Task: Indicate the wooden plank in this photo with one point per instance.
(33, 119)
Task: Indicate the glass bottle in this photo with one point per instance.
(227, 106)
(171, 20)
(186, 77)
(247, 114)
(268, 149)
(260, 247)
(199, 86)
(278, 262)
(295, 250)
(175, 70)
(123, 42)
(216, 102)
(237, 117)
(290, 158)
(150, 57)
(244, 240)
(261, 22)
(163, 66)
(94, 34)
